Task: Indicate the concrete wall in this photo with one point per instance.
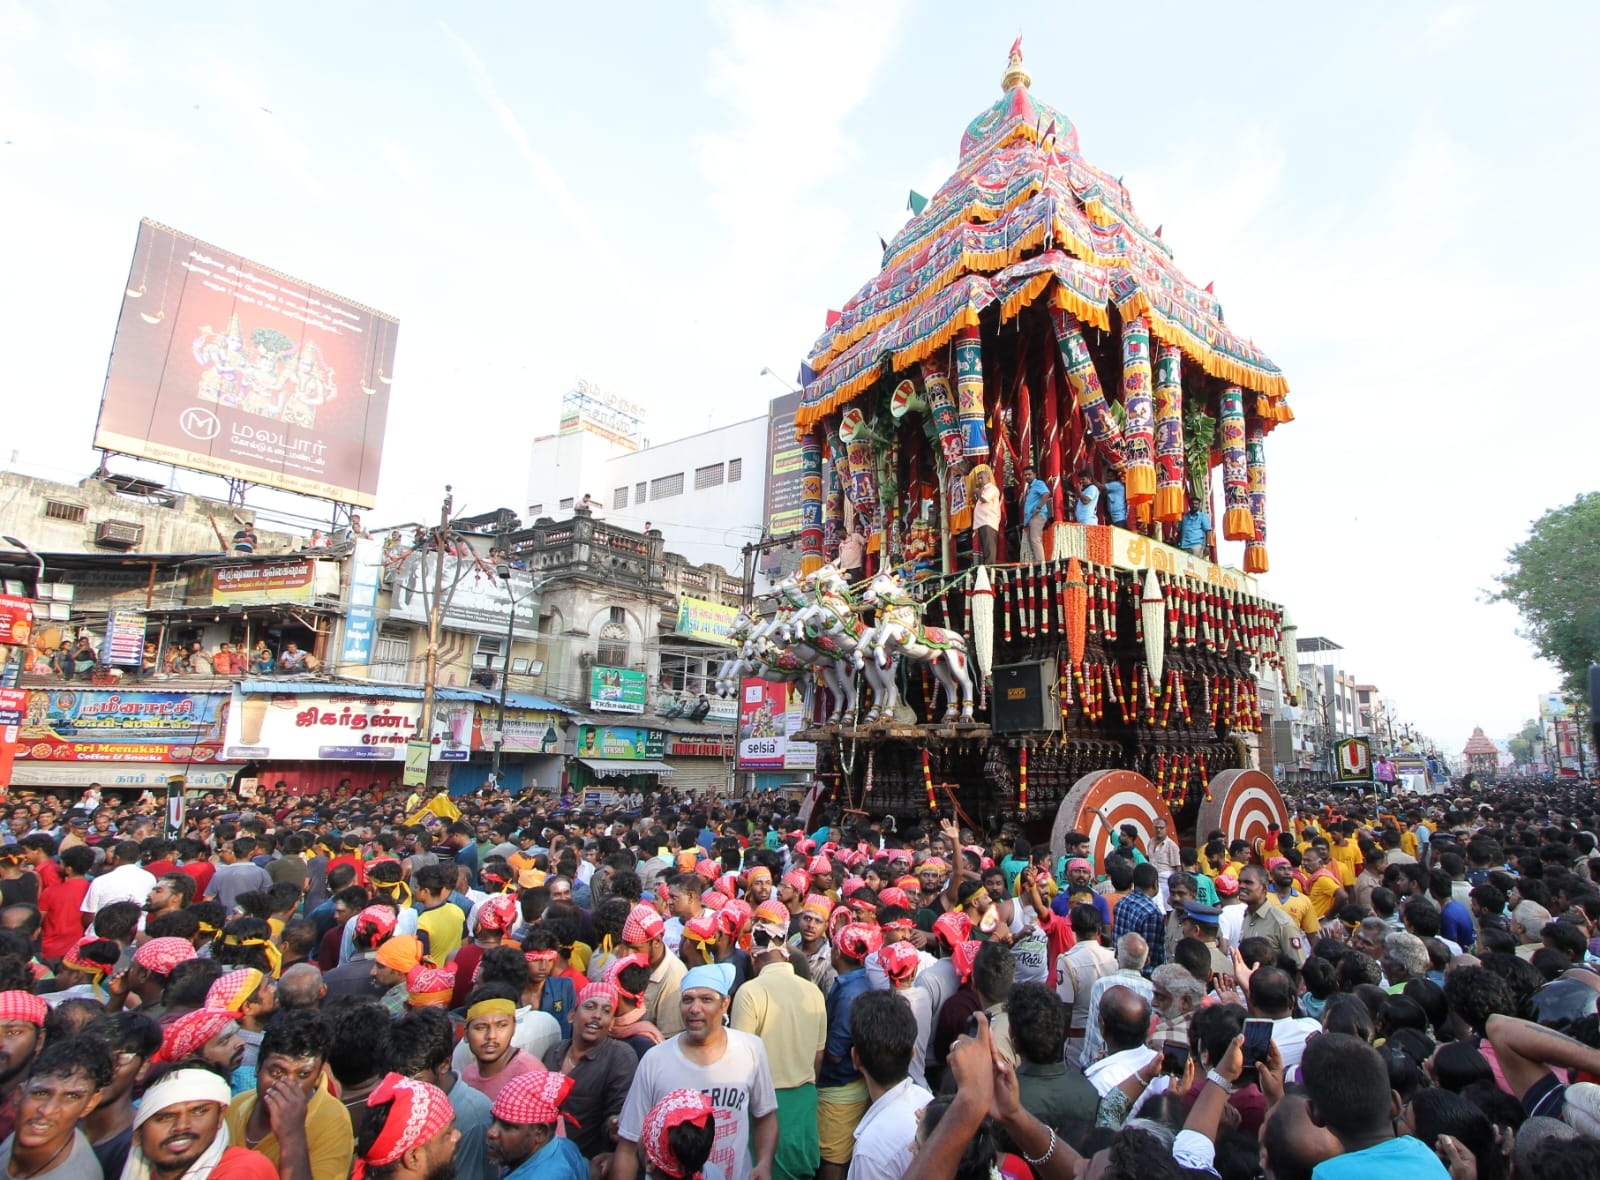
(32, 509)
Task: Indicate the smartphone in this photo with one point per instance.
(1174, 1059)
(1257, 1040)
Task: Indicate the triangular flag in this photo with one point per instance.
(1159, 228)
(1211, 287)
(883, 243)
(916, 202)
(834, 317)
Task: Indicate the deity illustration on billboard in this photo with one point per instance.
(271, 376)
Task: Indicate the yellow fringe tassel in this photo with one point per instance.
(1169, 505)
(1140, 483)
(1239, 525)
(1255, 559)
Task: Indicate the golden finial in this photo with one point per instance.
(1016, 73)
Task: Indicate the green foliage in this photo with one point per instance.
(1553, 579)
(1199, 432)
(1524, 741)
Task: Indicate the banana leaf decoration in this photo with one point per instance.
(1199, 433)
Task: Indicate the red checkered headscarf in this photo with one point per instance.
(680, 1106)
(428, 986)
(160, 955)
(899, 960)
(499, 913)
(707, 868)
(894, 896)
(188, 1034)
(534, 1099)
(758, 873)
(799, 880)
(702, 928)
(952, 928)
(773, 913)
(23, 1006)
(734, 916)
(965, 956)
(417, 1112)
(643, 925)
(713, 900)
(818, 903)
(819, 864)
(616, 967)
(852, 886)
(599, 990)
(727, 885)
(232, 991)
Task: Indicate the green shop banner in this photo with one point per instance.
(616, 690)
(614, 743)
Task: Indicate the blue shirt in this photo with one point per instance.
(1401, 1156)
(558, 997)
(558, 1159)
(1087, 511)
(1455, 923)
(1037, 501)
(1137, 913)
(467, 855)
(841, 998)
(1192, 531)
(1116, 501)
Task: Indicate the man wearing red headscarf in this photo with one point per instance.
(409, 1132)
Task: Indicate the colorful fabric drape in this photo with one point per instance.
(810, 502)
(839, 458)
(1170, 469)
(942, 404)
(969, 393)
(1050, 443)
(1139, 472)
(1085, 382)
(1255, 551)
(833, 522)
(1237, 524)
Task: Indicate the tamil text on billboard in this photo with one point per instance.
(286, 579)
(710, 622)
(320, 726)
(71, 725)
(782, 507)
(616, 690)
(225, 366)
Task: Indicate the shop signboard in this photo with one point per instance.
(284, 579)
(124, 646)
(769, 715)
(474, 599)
(16, 621)
(454, 723)
(99, 725)
(527, 732)
(330, 726)
(13, 704)
(361, 618)
(616, 690)
(612, 742)
(709, 622)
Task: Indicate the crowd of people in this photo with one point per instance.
(377, 986)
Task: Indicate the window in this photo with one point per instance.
(735, 470)
(667, 485)
(56, 510)
(691, 674)
(488, 652)
(619, 498)
(708, 477)
(613, 650)
(535, 510)
(618, 615)
(638, 492)
(566, 505)
(391, 656)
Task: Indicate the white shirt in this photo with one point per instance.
(123, 883)
(885, 1133)
(1230, 923)
(1110, 1072)
(1290, 1035)
(879, 982)
(939, 981)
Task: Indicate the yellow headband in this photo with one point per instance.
(490, 1008)
(274, 955)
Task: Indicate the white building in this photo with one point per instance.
(706, 491)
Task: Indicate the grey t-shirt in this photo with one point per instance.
(229, 881)
(80, 1163)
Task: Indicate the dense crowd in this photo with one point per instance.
(374, 985)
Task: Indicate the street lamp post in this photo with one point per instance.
(503, 571)
(23, 545)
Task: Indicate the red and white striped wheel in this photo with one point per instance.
(1100, 803)
(1242, 804)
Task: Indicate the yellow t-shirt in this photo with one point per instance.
(1345, 856)
(328, 1136)
(445, 928)
(1324, 889)
(1298, 906)
(790, 1016)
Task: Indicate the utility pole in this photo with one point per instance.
(435, 611)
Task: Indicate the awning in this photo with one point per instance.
(623, 767)
(122, 775)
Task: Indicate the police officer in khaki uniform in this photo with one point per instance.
(1200, 922)
(1262, 919)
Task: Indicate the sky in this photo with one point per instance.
(1394, 202)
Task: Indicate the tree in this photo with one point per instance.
(1552, 577)
(1526, 740)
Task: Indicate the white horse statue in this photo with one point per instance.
(825, 634)
(900, 634)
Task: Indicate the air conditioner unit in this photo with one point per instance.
(118, 534)
(1024, 698)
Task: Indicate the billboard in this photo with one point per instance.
(769, 715)
(361, 618)
(476, 599)
(225, 366)
(1353, 760)
(124, 645)
(320, 725)
(607, 741)
(16, 621)
(283, 579)
(709, 622)
(95, 725)
(616, 690)
(527, 731)
(781, 512)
